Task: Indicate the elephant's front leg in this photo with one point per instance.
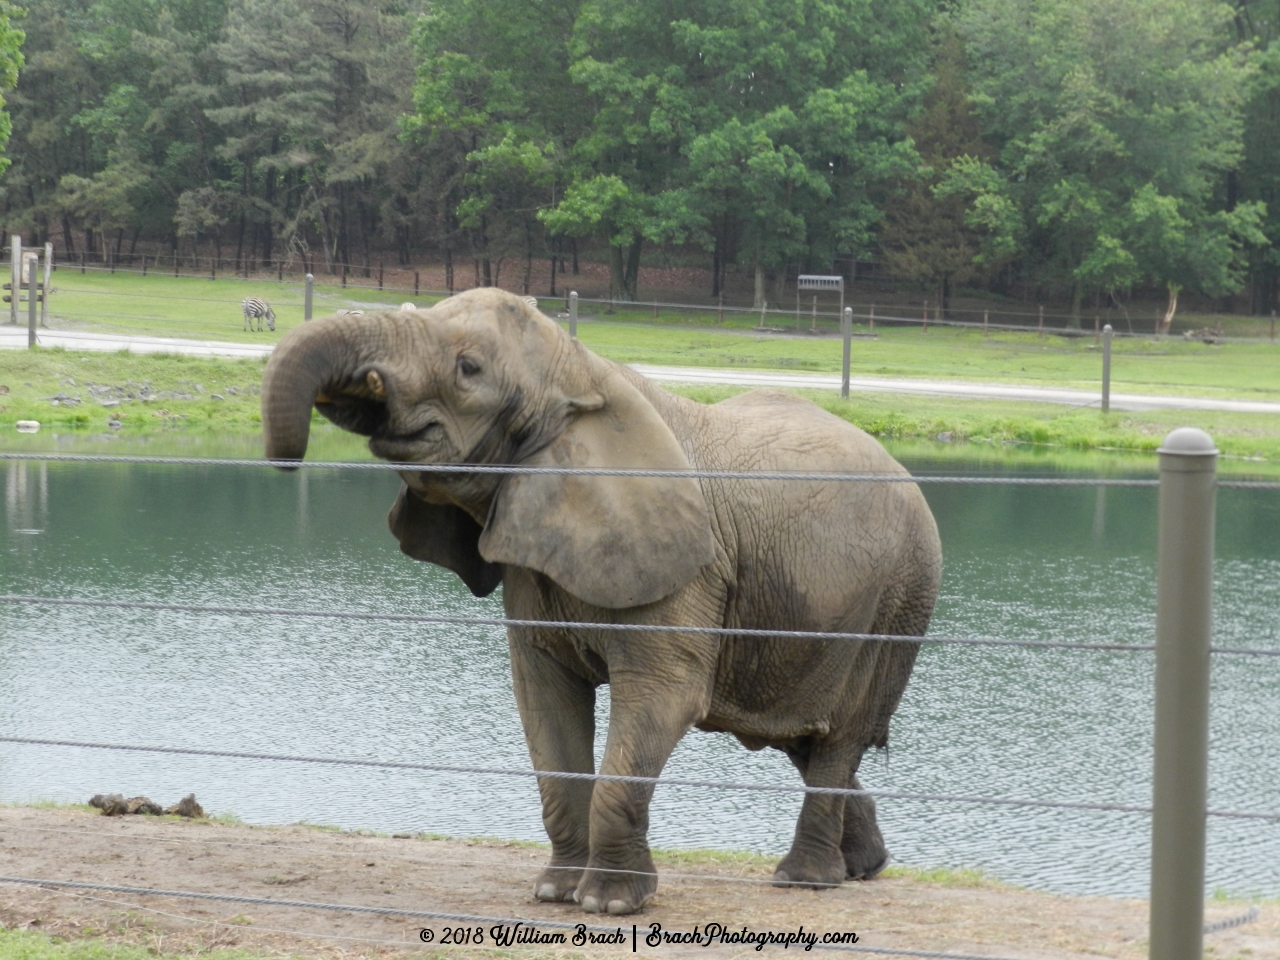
(557, 710)
(816, 858)
(648, 716)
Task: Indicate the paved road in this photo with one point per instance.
(14, 338)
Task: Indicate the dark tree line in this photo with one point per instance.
(1082, 148)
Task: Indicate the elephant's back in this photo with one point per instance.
(833, 555)
(811, 554)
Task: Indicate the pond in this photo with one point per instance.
(1036, 563)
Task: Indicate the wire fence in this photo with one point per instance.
(653, 782)
(776, 319)
(500, 470)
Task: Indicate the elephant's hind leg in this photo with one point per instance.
(816, 858)
(557, 710)
(861, 843)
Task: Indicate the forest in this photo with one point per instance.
(1082, 149)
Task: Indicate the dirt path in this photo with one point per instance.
(494, 879)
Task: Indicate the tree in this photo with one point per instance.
(765, 130)
(1115, 121)
(926, 237)
(10, 63)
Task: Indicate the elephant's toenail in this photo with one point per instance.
(619, 906)
(547, 892)
(576, 897)
(590, 904)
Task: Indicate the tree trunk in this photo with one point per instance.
(758, 299)
(1077, 300)
(715, 270)
(575, 256)
(632, 275)
(67, 238)
(1170, 309)
(528, 259)
(486, 270)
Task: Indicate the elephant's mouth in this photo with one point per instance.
(371, 418)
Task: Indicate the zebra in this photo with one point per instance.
(349, 313)
(255, 309)
(407, 305)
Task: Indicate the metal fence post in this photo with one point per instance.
(15, 276)
(307, 296)
(573, 314)
(33, 285)
(1184, 608)
(846, 331)
(1106, 369)
(45, 284)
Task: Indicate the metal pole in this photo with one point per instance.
(15, 276)
(846, 331)
(573, 314)
(44, 287)
(1184, 607)
(307, 296)
(415, 283)
(1040, 326)
(33, 285)
(1106, 369)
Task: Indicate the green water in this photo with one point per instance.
(1021, 562)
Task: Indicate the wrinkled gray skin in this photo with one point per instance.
(484, 378)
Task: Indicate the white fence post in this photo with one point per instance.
(1184, 609)
(573, 314)
(307, 297)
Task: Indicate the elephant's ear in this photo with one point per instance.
(611, 541)
(444, 535)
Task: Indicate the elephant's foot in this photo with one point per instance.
(863, 846)
(557, 882)
(807, 869)
(616, 892)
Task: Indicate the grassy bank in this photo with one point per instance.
(196, 307)
(202, 406)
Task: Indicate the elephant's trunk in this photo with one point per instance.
(309, 362)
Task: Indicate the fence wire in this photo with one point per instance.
(506, 470)
(777, 313)
(464, 918)
(574, 625)
(623, 778)
(503, 469)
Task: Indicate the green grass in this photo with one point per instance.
(195, 307)
(177, 415)
(29, 945)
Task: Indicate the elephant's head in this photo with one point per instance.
(485, 378)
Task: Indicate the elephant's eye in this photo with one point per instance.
(468, 367)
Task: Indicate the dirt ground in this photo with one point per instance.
(494, 879)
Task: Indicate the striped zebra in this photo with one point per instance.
(255, 309)
(349, 313)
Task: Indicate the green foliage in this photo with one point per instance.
(1115, 121)
(11, 61)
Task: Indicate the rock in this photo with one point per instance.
(28, 426)
(143, 805)
(114, 424)
(946, 437)
(3, 389)
(111, 403)
(216, 396)
(112, 804)
(187, 807)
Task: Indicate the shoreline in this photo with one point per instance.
(906, 908)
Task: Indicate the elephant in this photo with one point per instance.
(484, 378)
